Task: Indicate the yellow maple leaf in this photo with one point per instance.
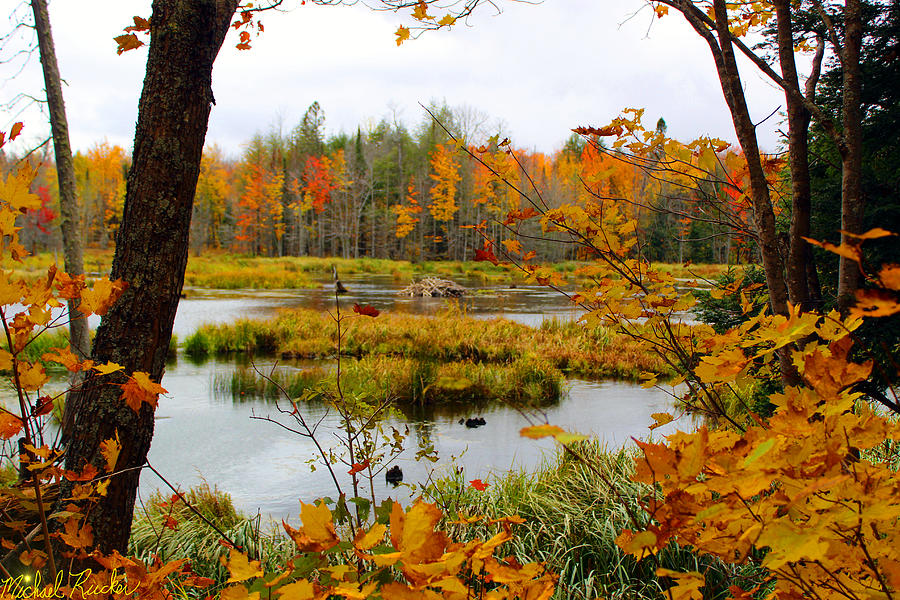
(420, 12)
(31, 376)
(537, 432)
(108, 368)
(240, 568)
(447, 20)
(77, 535)
(402, 34)
(513, 246)
(687, 585)
(110, 450)
(238, 592)
(562, 436)
(413, 534)
(366, 540)
(101, 297)
(299, 590)
(14, 189)
(661, 419)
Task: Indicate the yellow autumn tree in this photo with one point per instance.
(445, 173)
(213, 190)
(100, 182)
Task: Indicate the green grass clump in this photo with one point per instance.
(197, 541)
(573, 518)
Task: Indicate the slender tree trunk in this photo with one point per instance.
(151, 250)
(851, 157)
(799, 252)
(73, 259)
(763, 214)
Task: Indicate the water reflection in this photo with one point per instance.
(202, 435)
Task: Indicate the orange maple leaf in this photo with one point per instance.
(10, 425)
(139, 389)
(77, 535)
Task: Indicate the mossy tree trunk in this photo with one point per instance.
(151, 249)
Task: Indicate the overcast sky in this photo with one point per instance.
(540, 69)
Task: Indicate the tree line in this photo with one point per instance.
(392, 191)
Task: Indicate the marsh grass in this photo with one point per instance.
(195, 540)
(572, 520)
(220, 270)
(528, 382)
(448, 337)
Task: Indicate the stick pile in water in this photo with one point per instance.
(434, 287)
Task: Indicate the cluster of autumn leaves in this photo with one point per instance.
(801, 493)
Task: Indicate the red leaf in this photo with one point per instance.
(609, 130)
(366, 310)
(170, 523)
(43, 406)
(478, 485)
(15, 131)
(487, 254)
(357, 467)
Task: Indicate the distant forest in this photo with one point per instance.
(391, 191)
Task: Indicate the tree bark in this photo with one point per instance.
(151, 250)
(720, 45)
(851, 157)
(799, 252)
(73, 258)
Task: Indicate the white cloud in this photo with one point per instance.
(542, 69)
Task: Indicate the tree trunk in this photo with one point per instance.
(763, 214)
(851, 157)
(151, 249)
(798, 148)
(79, 336)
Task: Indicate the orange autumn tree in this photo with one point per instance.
(260, 220)
(213, 191)
(406, 222)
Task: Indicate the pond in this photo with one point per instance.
(203, 434)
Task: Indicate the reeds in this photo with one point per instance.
(449, 337)
(195, 539)
(528, 382)
(573, 518)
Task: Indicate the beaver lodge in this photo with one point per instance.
(434, 287)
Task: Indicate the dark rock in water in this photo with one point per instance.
(394, 475)
(476, 422)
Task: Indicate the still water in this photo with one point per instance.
(204, 435)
